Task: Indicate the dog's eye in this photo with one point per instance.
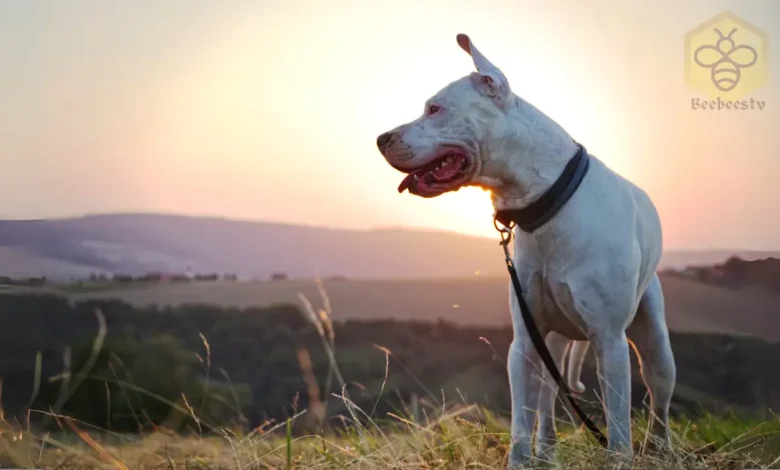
(432, 109)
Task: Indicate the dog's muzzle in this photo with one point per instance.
(383, 141)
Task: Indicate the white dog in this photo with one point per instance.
(589, 273)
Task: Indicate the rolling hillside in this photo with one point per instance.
(140, 243)
(691, 306)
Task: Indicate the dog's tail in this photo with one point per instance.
(574, 370)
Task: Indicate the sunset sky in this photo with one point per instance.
(269, 110)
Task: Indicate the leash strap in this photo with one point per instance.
(538, 341)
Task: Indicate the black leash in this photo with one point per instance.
(529, 219)
(538, 341)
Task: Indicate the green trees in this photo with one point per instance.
(199, 366)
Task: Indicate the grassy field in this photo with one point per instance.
(691, 306)
(459, 437)
(429, 436)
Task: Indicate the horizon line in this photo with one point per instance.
(377, 228)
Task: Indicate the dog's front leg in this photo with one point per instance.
(614, 371)
(546, 436)
(523, 364)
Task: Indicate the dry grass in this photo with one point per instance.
(460, 437)
(426, 437)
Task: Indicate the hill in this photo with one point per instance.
(139, 243)
(255, 361)
(203, 387)
(737, 273)
(691, 305)
(158, 368)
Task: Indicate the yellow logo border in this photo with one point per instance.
(726, 14)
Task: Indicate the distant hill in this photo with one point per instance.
(691, 306)
(736, 273)
(140, 243)
(680, 259)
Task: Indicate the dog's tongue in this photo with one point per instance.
(406, 183)
(438, 173)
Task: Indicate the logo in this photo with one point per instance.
(726, 60)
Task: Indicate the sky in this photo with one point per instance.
(269, 110)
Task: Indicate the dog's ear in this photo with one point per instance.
(492, 80)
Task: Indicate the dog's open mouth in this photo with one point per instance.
(444, 173)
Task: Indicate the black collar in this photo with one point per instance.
(543, 209)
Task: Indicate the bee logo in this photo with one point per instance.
(725, 60)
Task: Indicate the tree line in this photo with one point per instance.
(131, 369)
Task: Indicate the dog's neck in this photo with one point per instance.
(539, 149)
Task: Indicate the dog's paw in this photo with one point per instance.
(519, 456)
(577, 387)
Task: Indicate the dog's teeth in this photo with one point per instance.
(446, 162)
(416, 177)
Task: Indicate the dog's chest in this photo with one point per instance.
(551, 305)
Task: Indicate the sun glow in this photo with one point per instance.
(225, 102)
(270, 111)
(468, 210)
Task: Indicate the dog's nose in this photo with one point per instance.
(383, 140)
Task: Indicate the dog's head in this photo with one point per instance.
(459, 135)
